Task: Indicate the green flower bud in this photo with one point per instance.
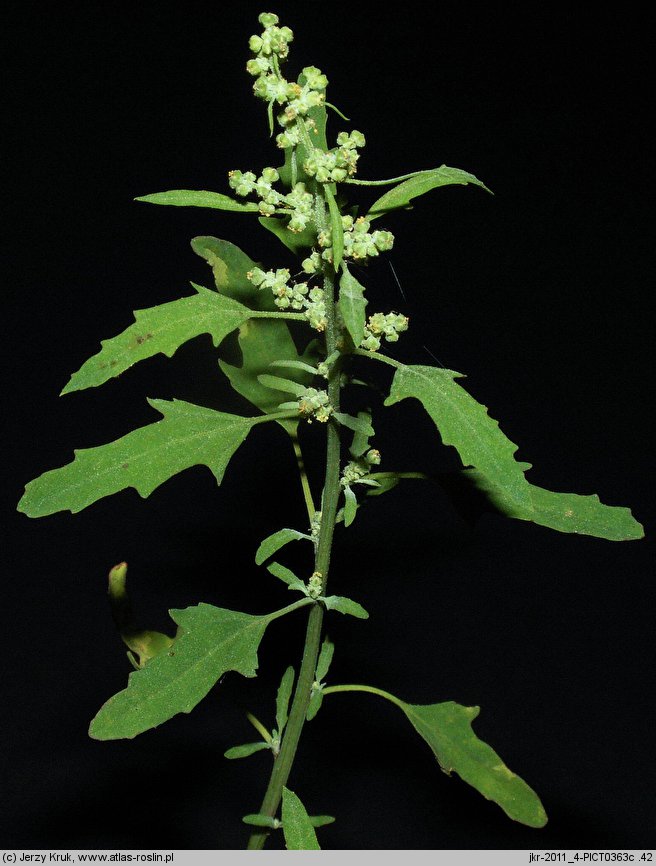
(270, 175)
(312, 263)
(383, 240)
(242, 183)
(255, 44)
(315, 78)
(372, 457)
(256, 276)
(258, 66)
(268, 19)
(338, 175)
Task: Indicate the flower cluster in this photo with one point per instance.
(356, 470)
(269, 49)
(381, 325)
(359, 243)
(315, 404)
(315, 585)
(273, 42)
(298, 203)
(338, 164)
(297, 296)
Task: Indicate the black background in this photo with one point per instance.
(541, 294)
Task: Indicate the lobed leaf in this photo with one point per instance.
(187, 436)
(446, 727)
(296, 825)
(400, 196)
(161, 330)
(463, 423)
(199, 198)
(245, 751)
(211, 641)
(274, 542)
(352, 304)
(564, 512)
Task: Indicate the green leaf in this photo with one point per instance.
(245, 751)
(321, 820)
(425, 181)
(198, 198)
(261, 821)
(350, 506)
(296, 825)
(360, 424)
(463, 423)
(564, 512)
(287, 576)
(325, 659)
(287, 386)
(211, 642)
(446, 727)
(274, 542)
(387, 481)
(296, 242)
(336, 227)
(316, 699)
(145, 458)
(360, 441)
(282, 698)
(261, 341)
(351, 304)
(345, 605)
(229, 266)
(161, 330)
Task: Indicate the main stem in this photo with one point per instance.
(283, 763)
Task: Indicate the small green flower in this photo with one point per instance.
(242, 183)
(381, 325)
(315, 78)
(315, 404)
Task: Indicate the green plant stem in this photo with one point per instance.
(283, 763)
(333, 690)
(259, 727)
(376, 356)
